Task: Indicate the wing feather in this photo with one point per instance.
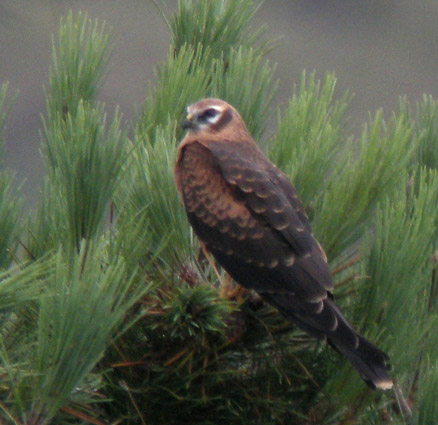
(249, 217)
(242, 215)
(269, 194)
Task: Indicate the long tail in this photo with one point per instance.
(370, 362)
(325, 320)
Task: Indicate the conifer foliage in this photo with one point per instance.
(110, 313)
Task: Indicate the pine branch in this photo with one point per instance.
(118, 316)
(10, 204)
(80, 312)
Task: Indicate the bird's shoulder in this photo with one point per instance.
(266, 189)
(247, 180)
(235, 197)
(204, 190)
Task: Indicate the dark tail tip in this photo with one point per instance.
(371, 363)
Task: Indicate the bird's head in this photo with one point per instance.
(211, 115)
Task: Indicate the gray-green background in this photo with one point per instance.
(379, 50)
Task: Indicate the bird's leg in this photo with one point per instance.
(211, 261)
(228, 288)
(231, 291)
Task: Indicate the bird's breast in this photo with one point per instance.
(208, 196)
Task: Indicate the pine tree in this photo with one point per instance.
(110, 312)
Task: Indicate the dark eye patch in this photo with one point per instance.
(209, 113)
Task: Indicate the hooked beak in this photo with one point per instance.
(188, 122)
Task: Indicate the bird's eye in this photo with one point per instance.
(209, 113)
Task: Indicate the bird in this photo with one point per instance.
(247, 214)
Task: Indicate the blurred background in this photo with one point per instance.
(378, 49)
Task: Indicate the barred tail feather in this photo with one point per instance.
(370, 362)
(323, 319)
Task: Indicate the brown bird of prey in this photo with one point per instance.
(248, 215)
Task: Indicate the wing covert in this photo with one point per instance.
(269, 194)
(248, 223)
